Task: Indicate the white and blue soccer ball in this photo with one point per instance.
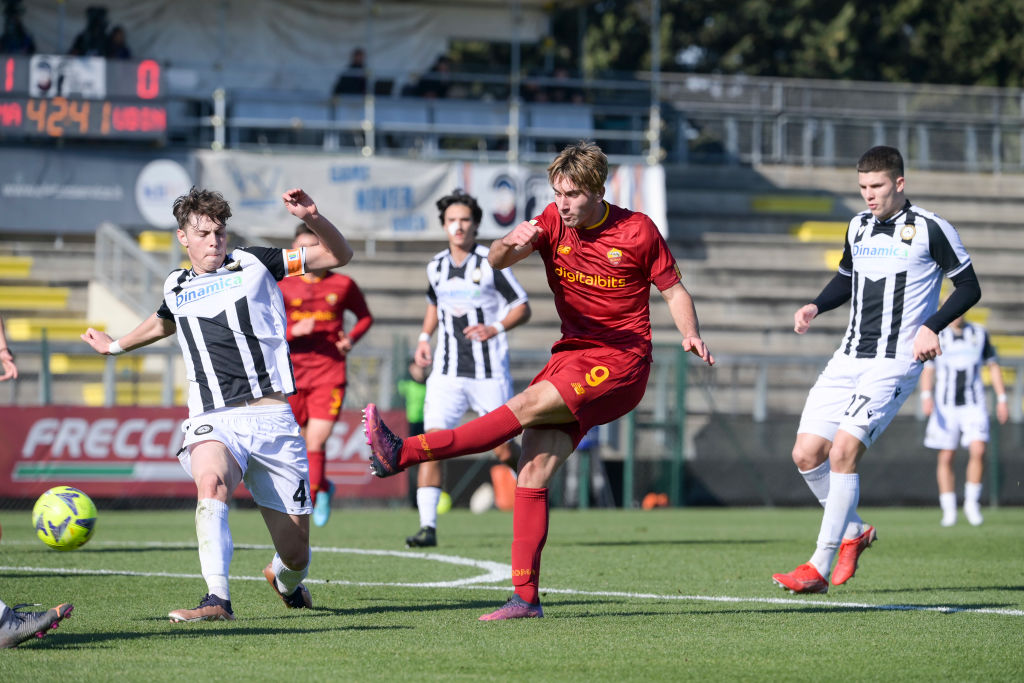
(64, 517)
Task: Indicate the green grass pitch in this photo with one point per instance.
(628, 596)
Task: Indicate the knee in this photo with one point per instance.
(807, 459)
(211, 485)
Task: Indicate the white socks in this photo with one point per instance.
(972, 503)
(289, 579)
(215, 545)
(947, 501)
(427, 498)
(818, 481)
(843, 496)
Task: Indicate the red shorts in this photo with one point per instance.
(597, 384)
(322, 402)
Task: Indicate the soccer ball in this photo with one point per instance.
(64, 518)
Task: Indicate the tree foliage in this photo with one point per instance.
(953, 41)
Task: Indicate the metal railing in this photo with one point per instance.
(636, 116)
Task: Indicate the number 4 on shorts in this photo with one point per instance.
(300, 493)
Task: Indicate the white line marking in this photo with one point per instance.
(496, 571)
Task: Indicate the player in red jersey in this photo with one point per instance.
(315, 305)
(601, 261)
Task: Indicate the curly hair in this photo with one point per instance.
(583, 164)
(459, 197)
(881, 158)
(202, 203)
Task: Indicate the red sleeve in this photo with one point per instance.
(549, 220)
(664, 271)
(357, 304)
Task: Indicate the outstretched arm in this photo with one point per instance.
(150, 330)
(334, 249)
(684, 315)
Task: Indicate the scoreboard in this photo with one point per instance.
(61, 96)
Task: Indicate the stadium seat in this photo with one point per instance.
(402, 110)
(274, 113)
(60, 329)
(467, 115)
(788, 203)
(1008, 345)
(128, 394)
(978, 314)
(12, 267)
(559, 119)
(157, 240)
(820, 231)
(67, 364)
(832, 258)
(33, 298)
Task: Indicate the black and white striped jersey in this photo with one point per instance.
(958, 368)
(231, 326)
(896, 267)
(470, 294)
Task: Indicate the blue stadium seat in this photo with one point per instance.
(554, 120)
(465, 115)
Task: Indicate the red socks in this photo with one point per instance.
(317, 480)
(529, 533)
(476, 436)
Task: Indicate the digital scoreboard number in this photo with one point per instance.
(59, 96)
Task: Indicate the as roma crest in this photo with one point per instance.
(614, 256)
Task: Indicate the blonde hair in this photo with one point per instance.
(583, 164)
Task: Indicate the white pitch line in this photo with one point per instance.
(496, 571)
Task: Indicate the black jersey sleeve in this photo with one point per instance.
(967, 292)
(272, 258)
(836, 293)
(988, 352)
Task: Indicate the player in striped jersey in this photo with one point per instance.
(471, 305)
(958, 411)
(229, 316)
(895, 256)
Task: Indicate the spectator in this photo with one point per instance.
(15, 40)
(352, 80)
(92, 41)
(562, 89)
(436, 82)
(117, 47)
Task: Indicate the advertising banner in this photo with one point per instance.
(395, 199)
(132, 453)
(61, 191)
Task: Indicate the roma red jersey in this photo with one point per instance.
(601, 277)
(315, 358)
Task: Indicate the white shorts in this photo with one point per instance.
(861, 396)
(956, 424)
(448, 398)
(266, 443)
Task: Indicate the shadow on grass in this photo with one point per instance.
(68, 640)
(680, 542)
(950, 589)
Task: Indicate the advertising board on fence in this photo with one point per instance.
(382, 198)
(132, 453)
